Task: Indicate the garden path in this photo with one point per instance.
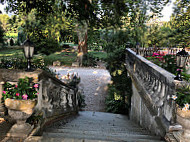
(93, 83)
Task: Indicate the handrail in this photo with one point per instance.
(155, 86)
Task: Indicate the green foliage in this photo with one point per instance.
(47, 46)
(25, 89)
(81, 100)
(99, 55)
(9, 55)
(183, 96)
(185, 76)
(120, 91)
(89, 60)
(1, 34)
(168, 62)
(34, 119)
(13, 63)
(114, 102)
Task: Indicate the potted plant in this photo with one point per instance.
(20, 99)
(182, 99)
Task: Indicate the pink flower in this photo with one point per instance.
(4, 92)
(16, 86)
(179, 70)
(35, 85)
(37, 93)
(17, 94)
(156, 54)
(24, 97)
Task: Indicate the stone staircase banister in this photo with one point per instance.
(60, 95)
(55, 98)
(46, 74)
(151, 105)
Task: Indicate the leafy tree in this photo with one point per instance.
(181, 22)
(1, 34)
(4, 19)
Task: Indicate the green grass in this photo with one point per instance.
(66, 58)
(100, 55)
(10, 52)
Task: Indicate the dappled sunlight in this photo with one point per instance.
(96, 94)
(97, 89)
(105, 88)
(95, 72)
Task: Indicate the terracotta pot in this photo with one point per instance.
(183, 118)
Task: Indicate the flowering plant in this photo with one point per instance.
(182, 97)
(24, 90)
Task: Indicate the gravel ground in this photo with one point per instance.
(94, 84)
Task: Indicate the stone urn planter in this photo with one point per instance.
(20, 110)
(183, 118)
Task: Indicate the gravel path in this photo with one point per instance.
(94, 84)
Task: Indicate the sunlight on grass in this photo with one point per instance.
(66, 58)
(11, 53)
(100, 55)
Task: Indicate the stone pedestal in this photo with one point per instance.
(20, 110)
(20, 130)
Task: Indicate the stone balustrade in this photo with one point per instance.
(55, 99)
(150, 50)
(153, 87)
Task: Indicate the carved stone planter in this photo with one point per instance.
(20, 110)
(183, 118)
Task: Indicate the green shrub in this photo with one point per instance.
(1, 34)
(81, 100)
(89, 60)
(119, 95)
(47, 46)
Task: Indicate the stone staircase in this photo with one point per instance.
(96, 127)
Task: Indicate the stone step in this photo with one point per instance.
(98, 126)
(85, 130)
(44, 139)
(95, 127)
(100, 136)
(104, 123)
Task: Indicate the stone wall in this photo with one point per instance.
(153, 87)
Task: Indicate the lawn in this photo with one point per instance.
(11, 52)
(66, 57)
(100, 55)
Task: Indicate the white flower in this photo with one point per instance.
(174, 97)
(184, 109)
(187, 105)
